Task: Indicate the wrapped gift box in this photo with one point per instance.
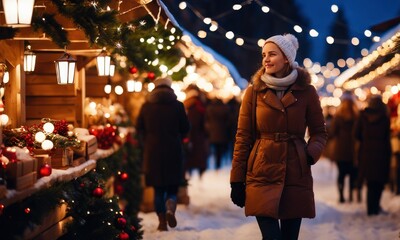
(21, 174)
(22, 182)
(81, 150)
(60, 157)
(90, 143)
(42, 160)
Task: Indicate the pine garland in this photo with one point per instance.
(139, 52)
(98, 24)
(52, 28)
(94, 216)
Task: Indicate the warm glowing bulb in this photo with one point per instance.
(48, 127)
(47, 145)
(40, 137)
(3, 119)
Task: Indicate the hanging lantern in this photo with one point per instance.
(133, 85)
(29, 60)
(65, 69)
(112, 69)
(103, 64)
(18, 13)
(130, 85)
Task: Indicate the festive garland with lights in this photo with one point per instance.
(25, 136)
(95, 216)
(149, 42)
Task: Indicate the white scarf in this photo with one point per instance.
(279, 84)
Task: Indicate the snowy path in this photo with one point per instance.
(211, 215)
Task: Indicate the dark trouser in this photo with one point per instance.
(162, 194)
(346, 168)
(270, 230)
(219, 151)
(374, 193)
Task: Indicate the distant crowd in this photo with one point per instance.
(364, 143)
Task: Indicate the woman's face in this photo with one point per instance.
(274, 60)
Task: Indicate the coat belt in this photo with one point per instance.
(296, 139)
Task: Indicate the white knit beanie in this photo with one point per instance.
(288, 44)
(163, 81)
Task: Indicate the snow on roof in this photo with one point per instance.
(241, 82)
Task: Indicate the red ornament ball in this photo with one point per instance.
(124, 176)
(150, 75)
(123, 236)
(121, 222)
(98, 192)
(133, 70)
(45, 170)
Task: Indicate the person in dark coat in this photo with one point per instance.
(271, 175)
(372, 130)
(218, 123)
(197, 145)
(344, 145)
(162, 123)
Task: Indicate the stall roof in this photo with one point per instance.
(384, 59)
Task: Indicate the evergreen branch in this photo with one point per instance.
(52, 28)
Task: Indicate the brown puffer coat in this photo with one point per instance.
(278, 178)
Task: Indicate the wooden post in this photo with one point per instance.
(14, 97)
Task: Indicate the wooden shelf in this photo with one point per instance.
(58, 175)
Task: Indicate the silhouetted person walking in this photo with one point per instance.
(373, 131)
(162, 123)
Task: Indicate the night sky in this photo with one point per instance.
(360, 15)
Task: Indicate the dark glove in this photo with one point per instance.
(238, 193)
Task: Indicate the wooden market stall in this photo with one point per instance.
(31, 96)
(132, 32)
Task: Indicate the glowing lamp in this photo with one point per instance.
(105, 67)
(40, 137)
(29, 60)
(47, 145)
(65, 69)
(3, 119)
(134, 85)
(18, 13)
(107, 87)
(48, 127)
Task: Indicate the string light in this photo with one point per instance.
(250, 43)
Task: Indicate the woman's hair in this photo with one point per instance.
(347, 109)
(258, 74)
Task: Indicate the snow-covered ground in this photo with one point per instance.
(212, 215)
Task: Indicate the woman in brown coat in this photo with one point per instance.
(271, 176)
(162, 123)
(373, 131)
